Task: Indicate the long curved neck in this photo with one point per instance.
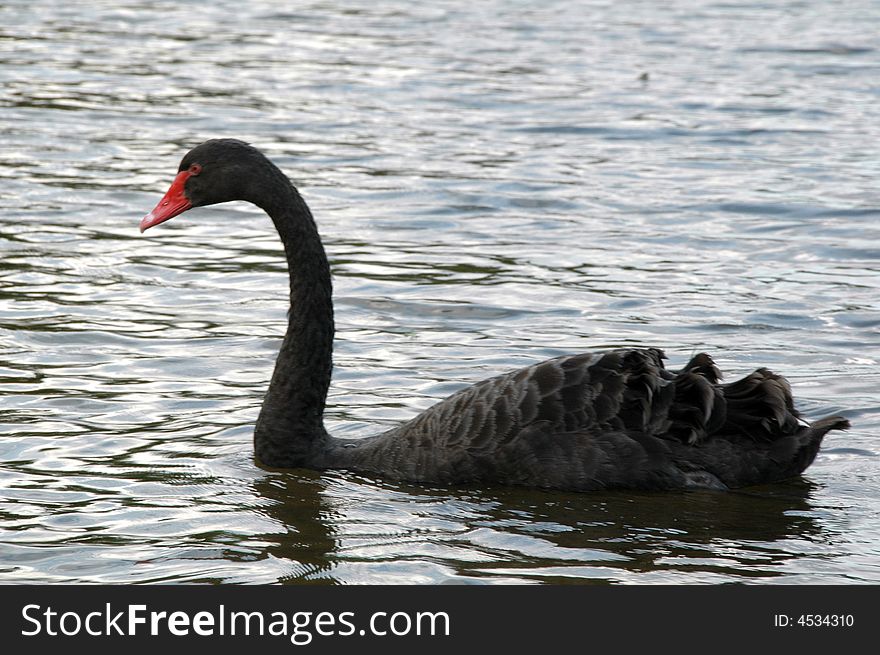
(290, 429)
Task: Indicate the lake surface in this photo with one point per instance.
(496, 183)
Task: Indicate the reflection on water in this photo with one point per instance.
(495, 184)
(507, 535)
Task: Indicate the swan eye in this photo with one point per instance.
(195, 169)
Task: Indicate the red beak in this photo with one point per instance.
(174, 202)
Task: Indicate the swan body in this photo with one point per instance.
(609, 420)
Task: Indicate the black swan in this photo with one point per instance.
(607, 420)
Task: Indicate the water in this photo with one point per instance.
(496, 183)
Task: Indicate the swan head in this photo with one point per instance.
(219, 170)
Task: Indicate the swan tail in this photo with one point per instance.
(737, 460)
(746, 432)
(809, 439)
(760, 406)
(790, 456)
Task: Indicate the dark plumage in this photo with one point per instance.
(611, 420)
